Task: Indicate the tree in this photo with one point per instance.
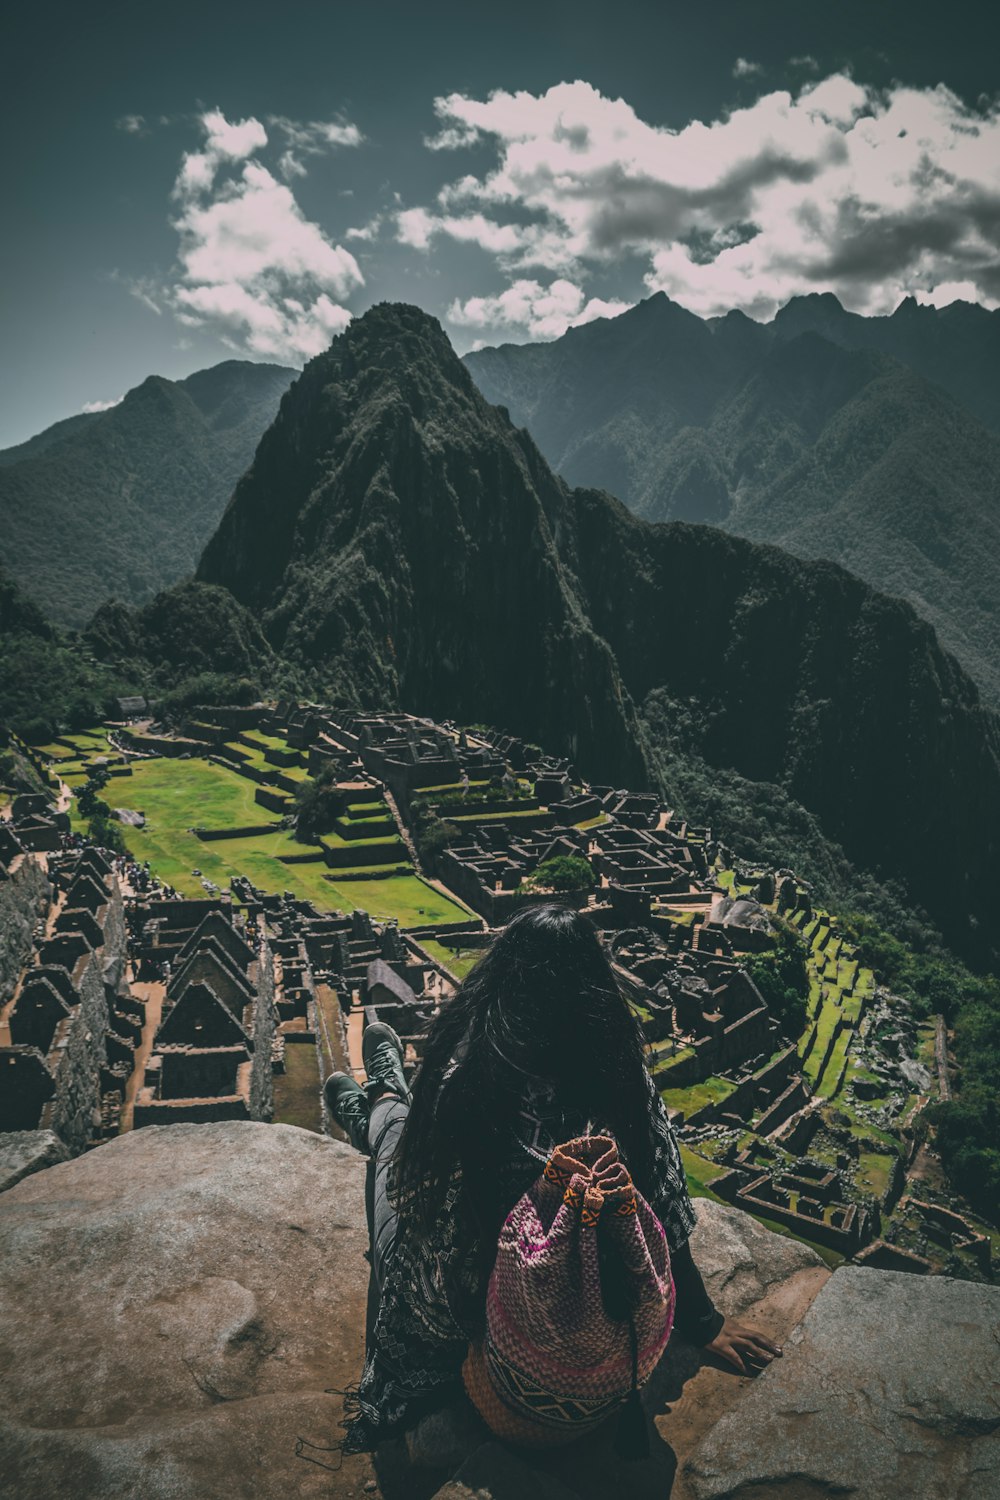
(781, 976)
(317, 804)
(566, 872)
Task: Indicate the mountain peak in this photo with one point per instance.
(814, 310)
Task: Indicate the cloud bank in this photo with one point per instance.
(251, 266)
(92, 406)
(836, 187)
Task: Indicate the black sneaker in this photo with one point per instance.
(348, 1104)
(382, 1055)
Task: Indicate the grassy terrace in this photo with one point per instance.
(695, 1097)
(458, 961)
(296, 1091)
(701, 1173)
(176, 795)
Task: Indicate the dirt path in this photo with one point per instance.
(152, 995)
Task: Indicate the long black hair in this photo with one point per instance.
(543, 1005)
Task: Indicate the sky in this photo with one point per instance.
(194, 183)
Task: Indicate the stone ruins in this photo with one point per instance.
(125, 1005)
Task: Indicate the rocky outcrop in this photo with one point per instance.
(183, 1307)
(25, 1151)
(176, 1306)
(888, 1388)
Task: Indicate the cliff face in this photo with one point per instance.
(825, 433)
(397, 532)
(400, 542)
(184, 1304)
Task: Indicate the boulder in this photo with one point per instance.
(888, 1388)
(176, 1307)
(740, 1261)
(25, 1151)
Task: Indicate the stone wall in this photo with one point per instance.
(261, 1074)
(79, 1049)
(75, 1059)
(23, 898)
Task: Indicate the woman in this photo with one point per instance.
(539, 1046)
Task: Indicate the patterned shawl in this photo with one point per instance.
(418, 1345)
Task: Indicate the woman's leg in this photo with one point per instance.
(388, 1115)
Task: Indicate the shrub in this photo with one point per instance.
(566, 872)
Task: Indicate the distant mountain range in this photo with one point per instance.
(869, 441)
(399, 542)
(121, 502)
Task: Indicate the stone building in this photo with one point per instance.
(213, 1052)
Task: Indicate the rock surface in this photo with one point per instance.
(889, 1388)
(176, 1305)
(181, 1306)
(25, 1151)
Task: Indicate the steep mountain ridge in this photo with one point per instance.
(807, 432)
(121, 502)
(402, 542)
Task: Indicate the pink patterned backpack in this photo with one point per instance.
(579, 1306)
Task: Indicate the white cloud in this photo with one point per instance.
(744, 68)
(872, 195)
(414, 227)
(131, 124)
(251, 266)
(947, 292)
(369, 231)
(542, 312)
(310, 138)
(92, 406)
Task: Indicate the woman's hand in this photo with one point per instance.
(741, 1347)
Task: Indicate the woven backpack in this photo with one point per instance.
(579, 1305)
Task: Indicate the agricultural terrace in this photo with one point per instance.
(177, 796)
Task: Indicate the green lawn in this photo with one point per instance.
(699, 1172)
(296, 1091)
(406, 897)
(176, 795)
(711, 1091)
(458, 961)
(257, 737)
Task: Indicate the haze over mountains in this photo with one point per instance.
(398, 541)
(121, 502)
(821, 431)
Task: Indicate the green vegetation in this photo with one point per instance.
(697, 1095)
(566, 872)
(173, 794)
(780, 975)
(431, 834)
(296, 1091)
(457, 961)
(843, 486)
(122, 505)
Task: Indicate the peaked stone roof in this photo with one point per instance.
(199, 1010)
(217, 926)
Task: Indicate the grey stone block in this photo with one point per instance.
(25, 1151)
(890, 1387)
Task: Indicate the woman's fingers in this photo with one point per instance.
(753, 1338)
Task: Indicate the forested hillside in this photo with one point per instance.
(819, 432)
